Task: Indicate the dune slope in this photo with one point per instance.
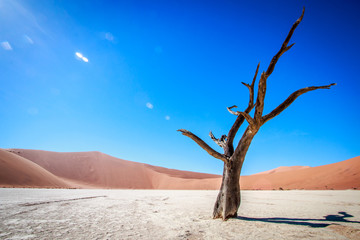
(16, 171)
(340, 175)
(99, 170)
(282, 169)
(36, 168)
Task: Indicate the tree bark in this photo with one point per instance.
(228, 199)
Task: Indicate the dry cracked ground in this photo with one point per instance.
(156, 214)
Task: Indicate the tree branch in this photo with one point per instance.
(245, 115)
(284, 46)
(203, 145)
(262, 83)
(259, 105)
(221, 142)
(240, 119)
(251, 91)
(248, 118)
(231, 111)
(290, 100)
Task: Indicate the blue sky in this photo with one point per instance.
(121, 77)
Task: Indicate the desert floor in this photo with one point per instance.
(156, 214)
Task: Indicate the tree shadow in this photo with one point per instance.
(314, 223)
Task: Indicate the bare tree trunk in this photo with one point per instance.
(228, 199)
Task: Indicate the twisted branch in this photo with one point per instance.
(240, 119)
(251, 91)
(245, 115)
(290, 100)
(262, 83)
(203, 145)
(231, 111)
(284, 48)
(221, 142)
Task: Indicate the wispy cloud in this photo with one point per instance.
(167, 118)
(109, 36)
(149, 105)
(79, 56)
(28, 39)
(23, 17)
(6, 45)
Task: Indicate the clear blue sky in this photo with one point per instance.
(144, 69)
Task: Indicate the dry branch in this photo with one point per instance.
(290, 100)
(221, 142)
(262, 83)
(240, 119)
(284, 46)
(203, 145)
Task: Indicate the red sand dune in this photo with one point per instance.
(340, 175)
(35, 168)
(16, 171)
(282, 169)
(98, 170)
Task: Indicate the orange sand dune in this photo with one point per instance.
(341, 175)
(92, 168)
(16, 171)
(98, 170)
(282, 169)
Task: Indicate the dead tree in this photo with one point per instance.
(228, 199)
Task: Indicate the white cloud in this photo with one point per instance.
(109, 36)
(22, 18)
(6, 45)
(79, 56)
(149, 105)
(167, 117)
(28, 39)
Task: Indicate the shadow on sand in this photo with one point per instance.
(315, 223)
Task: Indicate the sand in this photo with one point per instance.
(165, 214)
(282, 169)
(96, 170)
(16, 171)
(340, 175)
(36, 168)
